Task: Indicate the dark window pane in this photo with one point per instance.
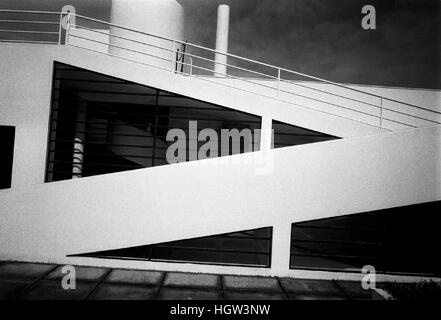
(289, 135)
(396, 240)
(101, 124)
(248, 248)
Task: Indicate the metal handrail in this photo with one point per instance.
(381, 107)
(119, 47)
(230, 86)
(30, 11)
(192, 65)
(28, 31)
(205, 69)
(31, 22)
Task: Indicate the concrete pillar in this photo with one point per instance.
(266, 136)
(281, 246)
(158, 17)
(223, 20)
(79, 137)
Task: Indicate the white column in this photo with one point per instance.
(223, 17)
(281, 246)
(266, 138)
(80, 128)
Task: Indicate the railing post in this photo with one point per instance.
(173, 57)
(278, 81)
(61, 27)
(381, 112)
(191, 66)
(67, 28)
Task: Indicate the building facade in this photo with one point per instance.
(124, 145)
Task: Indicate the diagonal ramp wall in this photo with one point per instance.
(49, 221)
(26, 88)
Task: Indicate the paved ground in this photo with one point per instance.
(43, 281)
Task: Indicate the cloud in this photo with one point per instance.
(325, 39)
(320, 37)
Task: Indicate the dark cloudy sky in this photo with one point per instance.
(319, 37)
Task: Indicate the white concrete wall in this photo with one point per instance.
(25, 100)
(48, 221)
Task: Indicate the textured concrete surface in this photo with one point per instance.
(11, 288)
(152, 278)
(44, 282)
(123, 292)
(251, 283)
(24, 270)
(250, 295)
(192, 280)
(82, 273)
(52, 290)
(354, 290)
(304, 289)
(188, 294)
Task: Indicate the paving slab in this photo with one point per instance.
(52, 290)
(151, 278)
(194, 280)
(188, 294)
(22, 280)
(108, 291)
(81, 273)
(12, 288)
(243, 295)
(24, 270)
(235, 283)
(306, 288)
(354, 290)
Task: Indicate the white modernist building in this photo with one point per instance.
(350, 176)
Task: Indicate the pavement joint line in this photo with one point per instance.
(253, 291)
(32, 285)
(192, 288)
(384, 294)
(160, 285)
(222, 291)
(128, 283)
(99, 282)
(282, 288)
(347, 296)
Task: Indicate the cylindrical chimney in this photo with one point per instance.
(223, 17)
(158, 17)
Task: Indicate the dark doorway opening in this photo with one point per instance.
(7, 136)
